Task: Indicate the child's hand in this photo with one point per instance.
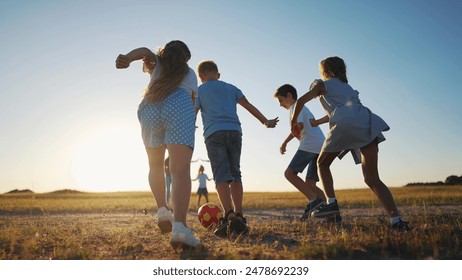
(282, 149)
(272, 123)
(122, 61)
(314, 123)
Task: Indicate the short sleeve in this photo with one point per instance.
(239, 94)
(149, 67)
(189, 82)
(197, 102)
(315, 83)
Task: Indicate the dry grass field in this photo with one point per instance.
(121, 226)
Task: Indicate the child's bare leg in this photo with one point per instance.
(369, 159)
(199, 200)
(312, 186)
(224, 194)
(206, 198)
(303, 187)
(325, 159)
(156, 175)
(237, 193)
(180, 163)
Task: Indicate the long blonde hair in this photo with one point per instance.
(333, 67)
(173, 60)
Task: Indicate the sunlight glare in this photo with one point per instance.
(112, 159)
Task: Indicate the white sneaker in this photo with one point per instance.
(183, 237)
(164, 220)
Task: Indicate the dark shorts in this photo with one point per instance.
(224, 152)
(303, 159)
(202, 191)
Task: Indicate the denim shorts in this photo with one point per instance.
(303, 159)
(171, 121)
(224, 151)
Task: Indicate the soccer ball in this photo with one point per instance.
(296, 131)
(209, 214)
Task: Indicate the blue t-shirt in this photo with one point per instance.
(217, 101)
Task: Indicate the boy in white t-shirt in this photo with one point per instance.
(311, 140)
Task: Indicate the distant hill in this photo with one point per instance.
(20, 191)
(65, 191)
(452, 180)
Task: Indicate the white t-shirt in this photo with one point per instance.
(202, 177)
(311, 138)
(189, 82)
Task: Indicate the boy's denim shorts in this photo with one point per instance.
(224, 151)
(303, 159)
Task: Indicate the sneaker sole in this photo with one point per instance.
(165, 226)
(310, 213)
(325, 214)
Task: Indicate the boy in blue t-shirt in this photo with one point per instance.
(311, 141)
(223, 139)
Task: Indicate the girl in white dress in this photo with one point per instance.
(352, 128)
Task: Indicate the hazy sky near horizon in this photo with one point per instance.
(68, 116)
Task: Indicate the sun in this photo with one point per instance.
(111, 159)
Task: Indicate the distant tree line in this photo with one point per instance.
(450, 181)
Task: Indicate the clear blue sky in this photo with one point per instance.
(68, 116)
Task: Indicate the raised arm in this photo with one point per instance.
(320, 121)
(315, 91)
(145, 54)
(257, 114)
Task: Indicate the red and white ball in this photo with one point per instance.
(296, 131)
(209, 214)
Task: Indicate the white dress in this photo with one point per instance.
(351, 125)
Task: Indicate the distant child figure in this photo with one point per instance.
(167, 119)
(168, 180)
(202, 189)
(311, 140)
(217, 102)
(353, 128)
